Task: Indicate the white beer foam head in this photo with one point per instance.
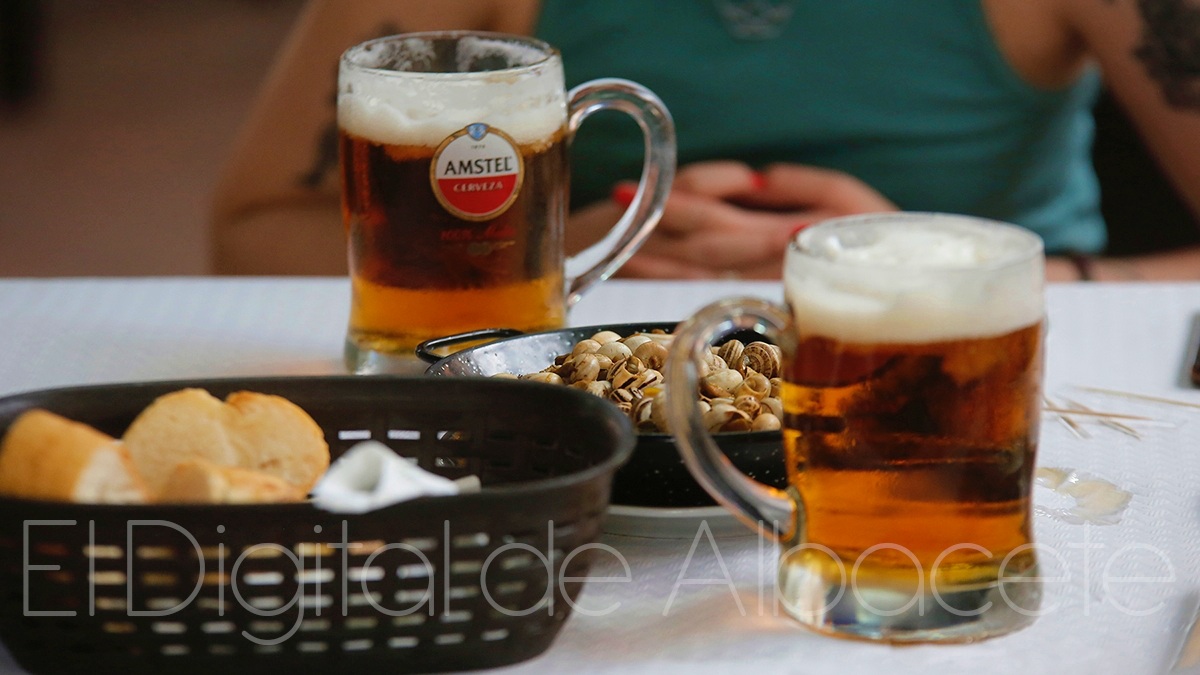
(914, 277)
(384, 95)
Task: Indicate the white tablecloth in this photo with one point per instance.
(1124, 593)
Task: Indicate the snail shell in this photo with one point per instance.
(647, 378)
(765, 422)
(588, 346)
(643, 415)
(739, 384)
(606, 336)
(731, 352)
(773, 406)
(721, 383)
(544, 376)
(584, 368)
(627, 372)
(636, 340)
(615, 351)
(763, 358)
(651, 353)
(624, 395)
(738, 423)
(748, 404)
(725, 417)
(599, 388)
(715, 362)
(658, 412)
(709, 364)
(756, 385)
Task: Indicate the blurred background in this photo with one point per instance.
(115, 118)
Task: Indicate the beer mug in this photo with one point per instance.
(454, 156)
(911, 389)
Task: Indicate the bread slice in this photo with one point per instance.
(272, 434)
(249, 430)
(47, 456)
(181, 425)
(200, 481)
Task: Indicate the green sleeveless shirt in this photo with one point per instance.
(911, 96)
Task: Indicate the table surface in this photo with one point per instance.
(1120, 596)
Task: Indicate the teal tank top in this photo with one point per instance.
(913, 97)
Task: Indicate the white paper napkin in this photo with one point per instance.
(370, 476)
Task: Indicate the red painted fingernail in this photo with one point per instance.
(758, 181)
(796, 230)
(624, 193)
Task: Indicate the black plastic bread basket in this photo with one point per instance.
(434, 584)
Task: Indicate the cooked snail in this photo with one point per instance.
(739, 387)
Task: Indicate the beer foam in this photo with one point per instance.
(914, 278)
(387, 95)
(474, 50)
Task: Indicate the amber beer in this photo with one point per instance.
(927, 448)
(911, 400)
(453, 190)
(453, 148)
(419, 270)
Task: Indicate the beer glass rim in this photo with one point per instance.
(1032, 249)
(547, 53)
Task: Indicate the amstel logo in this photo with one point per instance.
(477, 172)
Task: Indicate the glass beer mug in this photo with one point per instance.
(911, 389)
(454, 187)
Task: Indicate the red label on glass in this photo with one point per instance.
(477, 172)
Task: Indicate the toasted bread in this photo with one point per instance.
(274, 435)
(201, 481)
(184, 424)
(46, 456)
(249, 430)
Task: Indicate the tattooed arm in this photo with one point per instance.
(1149, 52)
(276, 207)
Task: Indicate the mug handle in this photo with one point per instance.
(658, 169)
(427, 350)
(773, 513)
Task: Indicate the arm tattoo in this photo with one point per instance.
(1170, 49)
(325, 158)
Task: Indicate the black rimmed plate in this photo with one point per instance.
(655, 476)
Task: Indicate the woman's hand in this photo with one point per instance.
(726, 220)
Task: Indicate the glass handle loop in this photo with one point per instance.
(427, 351)
(767, 510)
(658, 169)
